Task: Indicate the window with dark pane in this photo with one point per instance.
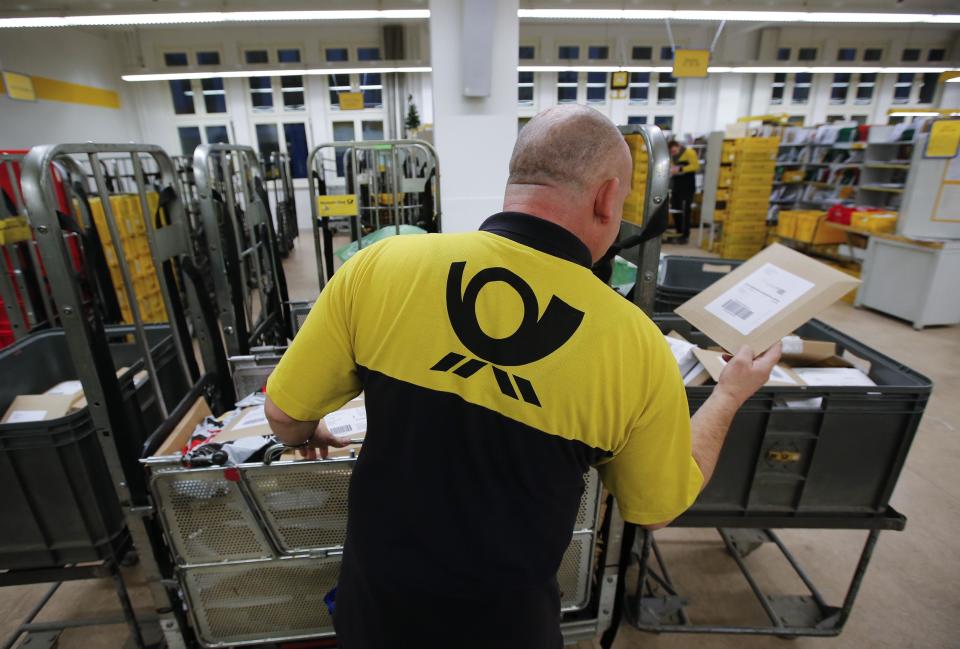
(598, 52)
(596, 87)
(928, 87)
(182, 94)
(368, 53)
(666, 88)
(189, 139)
(217, 135)
(267, 140)
(642, 53)
(865, 86)
(256, 57)
(777, 87)
(936, 54)
(639, 87)
(911, 54)
(903, 88)
(567, 83)
(338, 83)
(175, 59)
(527, 52)
(839, 88)
(295, 135)
(872, 54)
(847, 54)
(525, 87)
(807, 54)
(801, 88)
(521, 122)
(214, 96)
(795, 120)
(288, 55)
(342, 132)
(336, 54)
(371, 130)
(637, 119)
(261, 94)
(666, 53)
(293, 93)
(568, 52)
(372, 88)
(783, 54)
(664, 121)
(208, 58)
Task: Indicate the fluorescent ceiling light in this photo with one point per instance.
(919, 113)
(750, 16)
(592, 68)
(207, 17)
(242, 74)
(739, 69)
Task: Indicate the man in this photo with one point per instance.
(497, 369)
(683, 185)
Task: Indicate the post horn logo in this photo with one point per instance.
(533, 340)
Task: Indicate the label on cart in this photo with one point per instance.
(21, 416)
(347, 423)
(761, 295)
(340, 205)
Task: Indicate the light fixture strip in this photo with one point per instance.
(741, 16)
(741, 69)
(207, 17)
(286, 72)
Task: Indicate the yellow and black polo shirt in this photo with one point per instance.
(496, 368)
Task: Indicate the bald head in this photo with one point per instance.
(568, 147)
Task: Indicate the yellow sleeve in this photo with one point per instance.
(654, 476)
(693, 161)
(318, 372)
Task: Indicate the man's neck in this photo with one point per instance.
(546, 203)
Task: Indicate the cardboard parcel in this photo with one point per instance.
(765, 299)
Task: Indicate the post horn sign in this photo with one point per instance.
(690, 63)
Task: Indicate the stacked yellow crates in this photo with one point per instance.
(633, 206)
(133, 239)
(744, 184)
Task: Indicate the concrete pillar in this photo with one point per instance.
(473, 135)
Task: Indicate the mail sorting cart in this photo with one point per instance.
(282, 198)
(371, 185)
(124, 421)
(257, 547)
(680, 278)
(248, 278)
(795, 458)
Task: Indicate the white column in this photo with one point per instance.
(474, 136)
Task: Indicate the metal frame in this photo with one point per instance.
(234, 172)
(657, 606)
(322, 235)
(284, 199)
(84, 329)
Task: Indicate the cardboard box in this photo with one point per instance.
(797, 351)
(713, 363)
(73, 389)
(37, 407)
(765, 299)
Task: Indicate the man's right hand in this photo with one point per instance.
(744, 374)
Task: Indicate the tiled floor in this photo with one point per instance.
(910, 598)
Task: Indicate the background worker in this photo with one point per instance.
(497, 369)
(683, 185)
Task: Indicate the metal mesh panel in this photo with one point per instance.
(574, 574)
(587, 514)
(274, 600)
(299, 313)
(305, 505)
(250, 379)
(207, 519)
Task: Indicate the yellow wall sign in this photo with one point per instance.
(342, 205)
(350, 100)
(944, 139)
(19, 86)
(619, 80)
(690, 63)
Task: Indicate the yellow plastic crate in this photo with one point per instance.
(874, 221)
(753, 180)
(756, 157)
(757, 144)
(743, 202)
(719, 216)
(813, 227)
(725, 177)
(741, 167)
(738, 251)
(745, 214)
(745, 228)
(792, 176)
(723, 194)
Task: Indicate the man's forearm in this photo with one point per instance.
(288, 430)
(709, 428)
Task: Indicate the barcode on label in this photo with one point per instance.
(737, 309)
(340, 430)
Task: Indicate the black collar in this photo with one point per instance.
(539, 234)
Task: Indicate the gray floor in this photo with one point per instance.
(910, 597)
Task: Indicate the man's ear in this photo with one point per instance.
(605, 203)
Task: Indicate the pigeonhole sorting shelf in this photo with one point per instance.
(813, 457)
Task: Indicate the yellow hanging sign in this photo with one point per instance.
(350, 100)
(19, 86)
(620, 80)
(690, 63)
(944, 139)
(340, 205)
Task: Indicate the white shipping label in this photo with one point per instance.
(833, 376)
(347, 423)
(67, 387)
(755, 299)
(20, 416)
(255, 417)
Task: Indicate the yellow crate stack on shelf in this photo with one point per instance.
(744, 185)
(633, 205)
(133, 239)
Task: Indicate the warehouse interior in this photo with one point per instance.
(182, 180)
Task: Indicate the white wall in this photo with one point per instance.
(75, 56)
